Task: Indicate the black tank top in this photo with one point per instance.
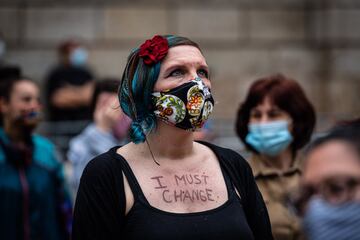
(225, 222)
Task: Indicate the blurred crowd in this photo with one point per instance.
(311, 185)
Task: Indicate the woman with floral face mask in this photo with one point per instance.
(164, 185)
(274, 122)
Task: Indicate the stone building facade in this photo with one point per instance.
(316, 42)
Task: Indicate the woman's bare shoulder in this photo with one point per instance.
(131, 151)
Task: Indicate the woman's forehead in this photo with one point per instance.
(184, 55)
(267, 102)
(332, 158)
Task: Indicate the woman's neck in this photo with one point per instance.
(170, 142)
(282, 162)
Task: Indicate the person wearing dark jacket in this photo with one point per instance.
(34, 202)
(70, 84)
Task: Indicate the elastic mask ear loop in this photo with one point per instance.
(152, 155)
(147, 142)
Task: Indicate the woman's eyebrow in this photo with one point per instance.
(172, 67)
(206, 67)
(181, 64)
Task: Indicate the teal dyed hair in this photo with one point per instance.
(136, 87)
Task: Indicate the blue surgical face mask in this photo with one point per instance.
(323, 220)
(269, 138)
(78, 57)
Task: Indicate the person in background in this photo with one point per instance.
(330, 189)
(108, 129)
(69, 85)
(274, 122)
(34, 202)
(163, 184)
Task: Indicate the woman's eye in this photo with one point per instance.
(176, 73)
(203, 73)
(255, 115)
(274, 114)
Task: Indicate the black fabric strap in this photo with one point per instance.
(133, 183)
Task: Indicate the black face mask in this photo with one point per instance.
(187, 106)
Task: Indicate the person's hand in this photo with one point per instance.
(107, 111)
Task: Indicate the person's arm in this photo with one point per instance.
(78, 155)
(69, 96)
(84, 147)
(100, 203)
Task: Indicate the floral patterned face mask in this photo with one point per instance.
(187, 106)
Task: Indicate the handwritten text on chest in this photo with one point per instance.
(189, 187)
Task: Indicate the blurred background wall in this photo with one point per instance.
(316, 42)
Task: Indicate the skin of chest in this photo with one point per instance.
(187, 188)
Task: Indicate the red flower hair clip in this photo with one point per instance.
(153, 50)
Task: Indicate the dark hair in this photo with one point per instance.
(9, 72)
(66, 46)
(288, 96)
(109, 85)
(136, 87)
(7, 87)
(348, 132)
(9, 76)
